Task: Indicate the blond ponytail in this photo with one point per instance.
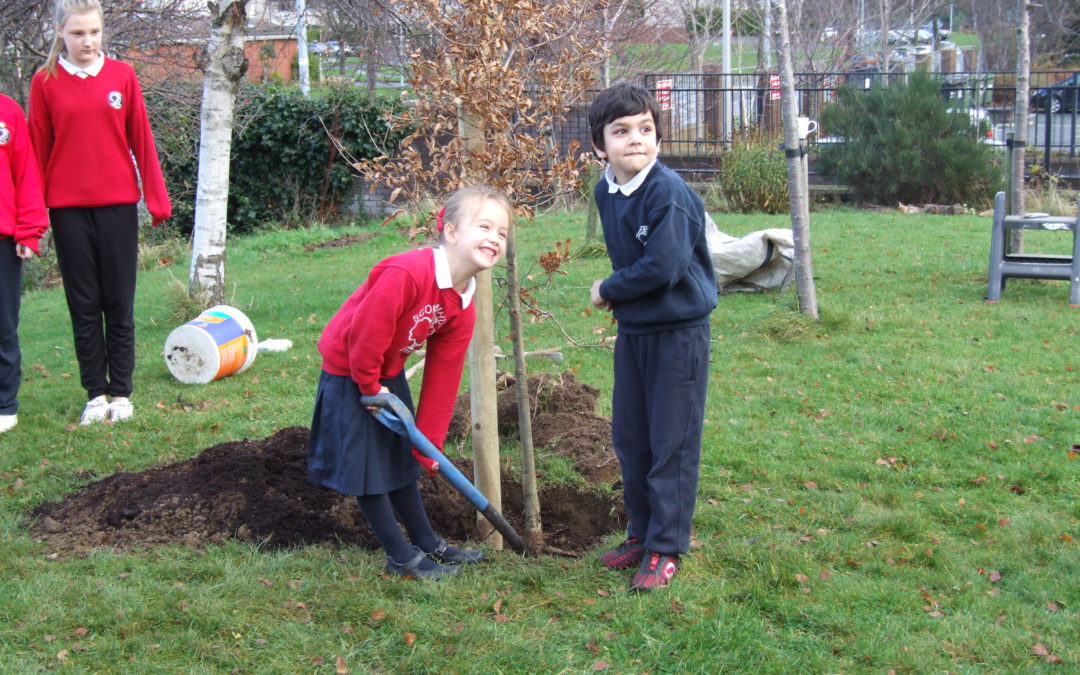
(63, 10)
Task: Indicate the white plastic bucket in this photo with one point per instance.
(219, 342)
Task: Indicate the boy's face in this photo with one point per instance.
(630, 143)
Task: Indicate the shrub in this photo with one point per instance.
(753, 175)
(903, 144)
(285, 166)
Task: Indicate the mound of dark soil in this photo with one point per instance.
(564, 422)
(344, 241)
(259, 491)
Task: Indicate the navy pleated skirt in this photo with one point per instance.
(351, 451)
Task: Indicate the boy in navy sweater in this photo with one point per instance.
(661, 291)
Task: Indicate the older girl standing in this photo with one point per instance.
(22, 222)
(88, 121)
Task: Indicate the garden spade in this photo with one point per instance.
(395, 416)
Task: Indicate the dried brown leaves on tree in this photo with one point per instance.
(491, 79)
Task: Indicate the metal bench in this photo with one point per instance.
(1006, 265)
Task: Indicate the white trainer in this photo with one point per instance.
(96, 410)
(121, 409)
(8, 422)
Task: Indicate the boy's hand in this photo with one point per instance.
(24, 251)
(597, 299)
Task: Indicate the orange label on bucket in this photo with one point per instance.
(213, 317)
(233, 354)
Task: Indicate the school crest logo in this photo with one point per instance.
(5, 134)
(116, 100)
(425, 323)
(642, 233)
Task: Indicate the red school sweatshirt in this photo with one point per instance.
(396, 311)
(85, 132)
(22, 210)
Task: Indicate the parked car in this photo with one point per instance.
(1059, 97)
(329, 48)
(909, 35)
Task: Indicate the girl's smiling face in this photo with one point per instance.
(480, 240)
(82, 35)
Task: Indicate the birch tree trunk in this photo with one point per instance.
(1017, 193)
(795, 151)
(225, 67)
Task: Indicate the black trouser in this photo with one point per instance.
(657, 414)
(10, 290)
(98, 251)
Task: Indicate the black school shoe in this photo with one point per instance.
(411, 569)
(656, 571)
(444, 553)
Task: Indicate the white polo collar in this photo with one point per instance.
(90, 71)
(443, 279)
(629, 186)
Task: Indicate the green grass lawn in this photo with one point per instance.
(893, 488)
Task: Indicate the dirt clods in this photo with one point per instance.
(258, 491)
(565, 421)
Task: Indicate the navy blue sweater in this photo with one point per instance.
(663, 275)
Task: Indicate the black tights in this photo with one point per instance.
(379, 511)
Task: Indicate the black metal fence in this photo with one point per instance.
(697, 124)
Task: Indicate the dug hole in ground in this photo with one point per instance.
(258, 491)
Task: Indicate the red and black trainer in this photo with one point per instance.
(656, 571)
(625, 555)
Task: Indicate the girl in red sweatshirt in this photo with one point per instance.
(409, 300)
(22, 222)
(88, 121)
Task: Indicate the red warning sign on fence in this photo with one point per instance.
(663, 93)
(774, 87)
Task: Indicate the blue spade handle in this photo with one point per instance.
(395, 416)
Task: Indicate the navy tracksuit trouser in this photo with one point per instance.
(10, 291)
(98, 253)
(658, 409)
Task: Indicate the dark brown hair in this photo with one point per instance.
(621, 100)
